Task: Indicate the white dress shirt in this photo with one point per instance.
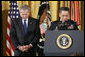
(26, 21)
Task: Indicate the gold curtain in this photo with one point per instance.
(53, 10)
(34, 5)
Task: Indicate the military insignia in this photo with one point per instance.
(71, 27)
(64, 41)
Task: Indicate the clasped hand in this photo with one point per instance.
(24, 48)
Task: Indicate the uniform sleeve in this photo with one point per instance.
(52, 27)
(75, 26)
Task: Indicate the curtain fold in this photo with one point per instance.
(53, 10)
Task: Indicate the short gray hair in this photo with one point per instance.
(24, 7)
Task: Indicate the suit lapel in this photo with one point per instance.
(21, 26)
(29, 24)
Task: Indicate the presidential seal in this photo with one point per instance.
(64, 41)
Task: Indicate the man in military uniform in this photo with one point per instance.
(63, 23)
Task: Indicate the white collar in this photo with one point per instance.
(25, 19)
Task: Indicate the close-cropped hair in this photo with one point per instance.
(63, 9)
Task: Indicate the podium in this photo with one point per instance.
(53, 43)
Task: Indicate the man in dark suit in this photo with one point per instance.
(25, 33)
(63, 23)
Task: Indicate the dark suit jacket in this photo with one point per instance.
(63, 26)
(18, 37)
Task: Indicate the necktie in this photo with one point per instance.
(25, 26)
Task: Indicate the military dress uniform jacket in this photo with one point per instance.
(58, 25)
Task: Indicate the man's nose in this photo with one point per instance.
(24, 15)
(65, 17)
